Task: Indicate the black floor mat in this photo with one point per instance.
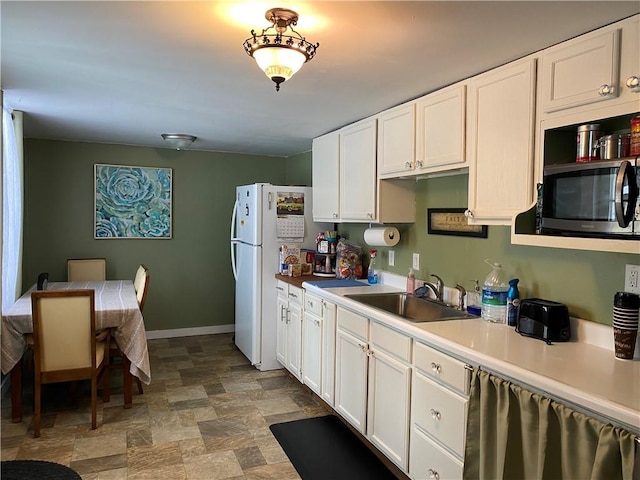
(324, 448)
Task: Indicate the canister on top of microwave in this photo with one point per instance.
(634, 143)
(588, 136)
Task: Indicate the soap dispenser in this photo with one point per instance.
(411, 282)
(474, 305)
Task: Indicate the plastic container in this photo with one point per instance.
(373, 275)
(474, 302)
(411, 282)
(494, 295)
(513, 303)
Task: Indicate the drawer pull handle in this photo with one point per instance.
(435, 414)
(433, 474)
(437, 369)
(606, 90)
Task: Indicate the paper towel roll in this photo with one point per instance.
(382, 237)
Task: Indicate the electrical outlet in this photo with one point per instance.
(631, 280)
(392, 258)
(416, 261)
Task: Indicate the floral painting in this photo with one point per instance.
(132, 202)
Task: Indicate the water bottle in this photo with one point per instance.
(372, 276)
(494, 295)
(513, 302)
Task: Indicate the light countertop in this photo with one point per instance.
(582, 375)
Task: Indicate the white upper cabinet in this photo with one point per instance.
(358, 171)
(440, 129)
(396, 140)
(599, 67)
(501, 142)
(325, 170)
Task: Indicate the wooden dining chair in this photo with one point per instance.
(141, 286)
(65, 348)
(86, 269)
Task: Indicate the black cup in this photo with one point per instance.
(626, 300)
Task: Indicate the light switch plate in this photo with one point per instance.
(392, 258)
(416, 261)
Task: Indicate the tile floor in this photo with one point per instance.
(206, 415)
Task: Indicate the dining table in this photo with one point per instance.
(116, 308)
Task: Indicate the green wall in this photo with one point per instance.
(585, 281)
(191, 280)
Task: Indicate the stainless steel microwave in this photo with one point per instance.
(592, 199)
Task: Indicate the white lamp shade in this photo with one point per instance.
(279, 61)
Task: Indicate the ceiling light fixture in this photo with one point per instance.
(179, 141)
(278, 55)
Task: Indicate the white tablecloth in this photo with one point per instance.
(116, 306)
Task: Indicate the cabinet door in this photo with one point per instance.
(440, 129)
(501, 125)
(388, 406)
(358, 171)
(351, 379)
(328, 351)
(396, 140)
(311, 352)
(281, 330)
(325, 171)
(574, 72)
(294, 340)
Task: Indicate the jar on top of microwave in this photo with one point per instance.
(588, 136)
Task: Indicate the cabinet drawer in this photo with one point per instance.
(282, 288)
(353, 323)
(295, 295)
(438, 365)
(440, 412)
(428, 460)
(392, 342)
(312, 304)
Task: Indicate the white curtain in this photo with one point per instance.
(12, 200)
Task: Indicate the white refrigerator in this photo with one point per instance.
(265, 217)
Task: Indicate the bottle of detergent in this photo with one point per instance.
(373, 275)
(513, 302)
(494, 295)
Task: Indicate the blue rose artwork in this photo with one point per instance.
(132, 202)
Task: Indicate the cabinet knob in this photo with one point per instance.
(436, 368)
(468, 213)
(433, 474)
(407, 164)
(435, 414)
(419, 163)
(606, 90)
(310, 303)
(633, 83)
(335, 215)
(370, 215)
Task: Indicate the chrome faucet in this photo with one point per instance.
(437, 289)
(461, 294)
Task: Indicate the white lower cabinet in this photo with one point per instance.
(373, 383)
(318, 346)
(389, 393)
(289, 328)
(351, 371)
(439, 399)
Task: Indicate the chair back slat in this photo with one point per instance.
(141, 285)
(86, 269)
(64, 329)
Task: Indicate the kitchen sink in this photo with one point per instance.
(413, 309)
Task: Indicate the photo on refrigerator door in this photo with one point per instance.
(288, 203)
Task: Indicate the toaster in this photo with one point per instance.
(544, 319)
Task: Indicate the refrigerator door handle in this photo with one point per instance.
(234, 241)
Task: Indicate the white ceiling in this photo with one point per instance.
(125, 72)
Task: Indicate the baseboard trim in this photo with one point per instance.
(190, 332)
